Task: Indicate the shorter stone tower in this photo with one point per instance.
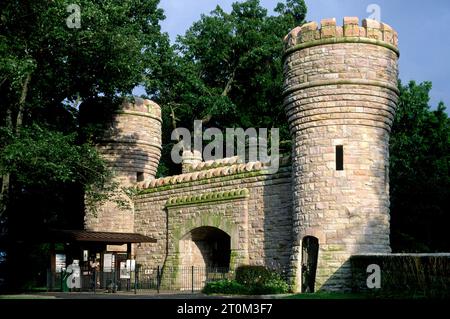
(189, 160)
(131, 145)
(340, 87)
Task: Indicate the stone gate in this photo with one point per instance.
(328, 201)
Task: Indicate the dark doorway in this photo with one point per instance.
(310, 252)
(206, 247)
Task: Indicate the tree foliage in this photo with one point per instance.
(420, 172)
(227, 70)
(47, 69)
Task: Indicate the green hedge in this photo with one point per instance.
(250, 280)
(403, 274)
(251, 275)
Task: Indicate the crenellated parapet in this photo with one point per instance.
(142, 107)
(371, 31)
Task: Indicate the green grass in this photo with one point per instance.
(328, 295)
(354, 296)
(38, 289)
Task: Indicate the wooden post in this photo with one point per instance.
(158, 279)
(192, 277)
(135, 279)
(128, 250)
(52, 258)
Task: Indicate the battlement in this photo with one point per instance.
(143, 107)
(371, 31)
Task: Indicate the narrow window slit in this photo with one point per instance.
(339, 157)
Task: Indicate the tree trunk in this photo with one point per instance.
(229, 84)
(15, 125)
(21, 106)
(172, 116)
(4, 194)
(206, 119)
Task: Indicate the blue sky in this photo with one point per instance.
(423, 27)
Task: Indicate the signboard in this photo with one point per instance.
(108, 263)
(124, 270)
(131, 264)
(60, 262)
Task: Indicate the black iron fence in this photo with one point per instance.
(183, 278)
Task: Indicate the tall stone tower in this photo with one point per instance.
(131, 145)
(340, 86)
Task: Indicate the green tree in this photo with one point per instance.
(420, 172)
(227, 70)
(47, 68)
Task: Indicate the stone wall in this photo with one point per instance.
(253, 207)
(340, 90)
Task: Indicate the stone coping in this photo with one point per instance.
(141, 107)
(208, 197)
(228, 172)
(228, 161)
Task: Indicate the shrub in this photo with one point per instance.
(250, 280)
(275, 285)
(251, 275)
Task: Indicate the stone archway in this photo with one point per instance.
(180, 230)
(205, 246)
(199, 229)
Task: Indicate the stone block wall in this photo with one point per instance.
(340, 91)
(253, 207)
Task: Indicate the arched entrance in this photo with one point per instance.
(207, 247)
